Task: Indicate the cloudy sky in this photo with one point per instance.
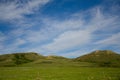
(67, 28)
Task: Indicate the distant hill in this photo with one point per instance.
(18, 58)
(102, 58)
(105, 58)
(30, 59)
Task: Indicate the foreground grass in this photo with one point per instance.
(59, 73)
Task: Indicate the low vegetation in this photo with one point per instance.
(18, 58)
(105, 58)
(97, 65)
(59, 73)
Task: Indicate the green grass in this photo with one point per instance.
(59, 73)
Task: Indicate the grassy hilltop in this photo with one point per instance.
(104, 58)
(18, 58)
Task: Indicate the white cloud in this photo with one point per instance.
(68, 40)
(13, 10)
(36, 36)
(78, 53)
(112, 40)
(2, 37)
(67, 24)
(12, 47)
(18, 42)
(101, 21)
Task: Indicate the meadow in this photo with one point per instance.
(59, 73)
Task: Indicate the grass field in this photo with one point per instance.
(59, 73)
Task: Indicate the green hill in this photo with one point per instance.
(105, 58)
(31, 59)
(18, 58)
(34, 59)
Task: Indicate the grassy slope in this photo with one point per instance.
(18, 58)
(97, 58)
(59, 73)
(102, 58)
(33, 59)
(58, 61)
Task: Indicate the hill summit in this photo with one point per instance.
(101, 57)
(18, 58)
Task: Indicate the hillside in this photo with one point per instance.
(33, 59)
(18, 58)
(102, 58)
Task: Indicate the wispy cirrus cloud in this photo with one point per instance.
(2, 37)
(13, 10)
(68, 40)
(72, 36)
(112, 40)
(83, 34)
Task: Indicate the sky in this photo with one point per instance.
(67, 28)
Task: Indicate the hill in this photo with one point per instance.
(102, 58)
(32, 59)
(105, 58)
(18, 58)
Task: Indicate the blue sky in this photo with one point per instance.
(67, 28)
